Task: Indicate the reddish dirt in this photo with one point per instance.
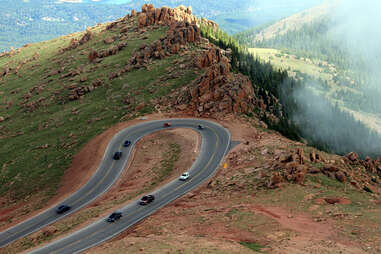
(301, 223)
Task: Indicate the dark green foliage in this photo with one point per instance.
(265, 79)
(331, 129)
(312, 40)
(252, 246)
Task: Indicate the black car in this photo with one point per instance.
(117, 155)
(114, 217)
(62, 209)
(145, 200)
(200, 127)
(127, 143)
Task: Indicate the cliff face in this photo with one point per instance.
(219, 90)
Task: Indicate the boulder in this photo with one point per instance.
(275, 181)
(352, 156)
(93, 54)
(86, 37)
(5, 71)
(340, 176)
(108, 40)
(330, 168)
(314, 170)
(332, 201)
(300, 176)
(140, 106)
(142, 20)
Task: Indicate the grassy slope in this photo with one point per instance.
(318, 69)
(292, 63)
(66, 128)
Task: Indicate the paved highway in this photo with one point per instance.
(215, 143)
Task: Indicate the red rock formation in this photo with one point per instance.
(179, 34)
(218, 90)
(166, 16)
(86, 37)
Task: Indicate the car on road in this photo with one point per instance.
(200, 127)
(114, 217)
(117, 155)
(184, 176)
(62, 209)
(167, 124)
(127, 143)
(145, 200)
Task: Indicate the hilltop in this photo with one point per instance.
(62, 100)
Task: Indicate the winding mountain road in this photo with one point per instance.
(214, 146)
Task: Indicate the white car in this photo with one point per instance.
(184, 176)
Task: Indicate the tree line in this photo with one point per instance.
(341, 131)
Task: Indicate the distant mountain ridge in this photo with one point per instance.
(283, 26)
(30, 21)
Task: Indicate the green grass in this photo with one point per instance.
(167, 164)
(66, 126)
(291, 63)
(253, 246)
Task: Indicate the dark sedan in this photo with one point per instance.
(145, 200)
(62, 209)
(114, 217)
(117, 155)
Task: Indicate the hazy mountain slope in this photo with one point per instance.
(344, 60)
(281, 27)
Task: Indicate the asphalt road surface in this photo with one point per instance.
(215, 144)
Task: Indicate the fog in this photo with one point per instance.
(356, 31)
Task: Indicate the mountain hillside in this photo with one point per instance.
(109, 73)
(62, 100)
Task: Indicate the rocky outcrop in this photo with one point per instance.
(74, 43)
(93, 55)
(76, 92)
(209, 23)
(176, 38)
(218, 90)
(352, 156)
(275, 181)
(86, 37)
(6, 71)
(165, 16)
